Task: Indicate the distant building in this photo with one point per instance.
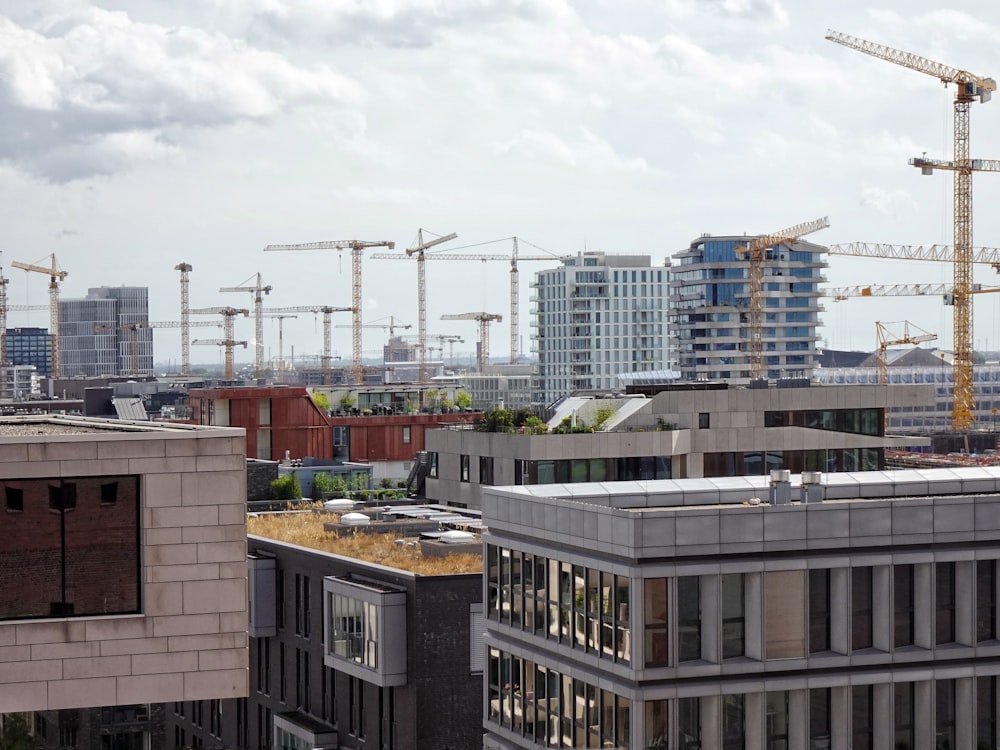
(512, 386)
(710, 309)
(85, 350)
(30, 346)
(596, 316)
(22, 382)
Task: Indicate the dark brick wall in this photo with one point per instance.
(260, 474)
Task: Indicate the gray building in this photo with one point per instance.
(596, 316)
(99, 333)
(710, 309)
(686, 430)
(697, 614)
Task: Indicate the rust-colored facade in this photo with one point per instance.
(395, 437)
(277, 419)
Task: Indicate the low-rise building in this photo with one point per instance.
(745, 613)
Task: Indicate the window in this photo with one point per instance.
(84, 550)
(282, 669)
(776, 726)
(263, 666)
(406, 435)
(819, 717)
(944, 603)
(903, 716)
(733, 724)
(689, 722)
(902, 605)
(432, 470)
(733, 615)
(704, 420)
(655, 616)
(688, 618)
(784, 593)
(944, 725)
(986, 713)
(862, 718)
(464, 467)
(356, 720)
(861, 608)
(986, 600)
(486, 469)
(302, 613)
(819, 610)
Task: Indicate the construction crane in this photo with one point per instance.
(356, 247)
(185, 322)
(55, 277)
(281, 341)
(417, 251)
(514, 277)
(184, 325)
(391, 326)
(969, 87)
(939, 253)
(257, 290)
(756, 253)
(947, 291)
(887, 338)
(133, 329)
(228, 333)
(484, 320)
(327, 334)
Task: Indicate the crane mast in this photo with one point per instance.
(418, 251)
(969, 87)
(228, 331)
(257, 290)
(55, 276)
(484, 319)
(3, 336)
(185, 322)
(355, 246)
(327, 325)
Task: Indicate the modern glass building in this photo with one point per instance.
(95, 337)
(710, 309)
(596, 316)
(30, 346)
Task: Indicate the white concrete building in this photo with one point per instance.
(595, 316)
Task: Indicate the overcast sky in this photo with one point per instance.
(137, 134)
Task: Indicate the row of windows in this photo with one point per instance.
(583, 608)
(853, 421)
(760, 463)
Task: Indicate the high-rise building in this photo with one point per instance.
(596, 316)
(710, 309)
(30, 346)
(86, 349)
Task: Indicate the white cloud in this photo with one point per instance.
(887, 201)
(92, 92)
(589, 152)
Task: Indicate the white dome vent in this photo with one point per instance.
(457, 537)
(339, 503)
(355, 519)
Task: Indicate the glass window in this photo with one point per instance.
(944, 602)
(986, 602)
(688, 618)
(819, 610)
(486, 470)
(689, 722)
(733, 724)
(903, 716)
(464, 466)
(657, 727)
(902, 605)
(655, 616)
(986, 712)
(944, 725)
(776, 724)
(785, 627)
(819, 719)
(861, 608)
(862, 718)
(704, 420)
(733, 615)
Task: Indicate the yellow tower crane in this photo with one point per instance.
(356, 247)
(185, 322)
(55, 277)
(756, 253)
(257, 290)
(327, 334)
(484, 319)
(417, 251)
(281, 342)
(887, 338)
(228, 333)
(946, 291)
(938, 253)
(133, 329)
(969, 87)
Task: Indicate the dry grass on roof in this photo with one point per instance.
(306, 530)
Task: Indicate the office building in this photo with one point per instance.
(123, 549)
(683, 431)
(30, 346)
(101, 333)
(374, 645)
(857, 612)
(595, 316)
(710, 309)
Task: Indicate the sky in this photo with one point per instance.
(139, 134)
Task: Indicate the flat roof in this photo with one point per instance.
(22, 426)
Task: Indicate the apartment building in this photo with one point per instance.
(30, 346)
(853, 610)
(595, 316)
(710, 308)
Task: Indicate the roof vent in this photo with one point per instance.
(457, 537)
(355, 519)
(339, 503)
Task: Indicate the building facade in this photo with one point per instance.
(595, 316)
(101, 333)
(684, 431)
(124, 558)
(349, 654)
(710, 309)
(30, 346)
(696, 614)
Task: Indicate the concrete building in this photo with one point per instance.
(350, 650)
(687, 430)
(595, 316)
(512, 386)
(22, 382)
(30, 346)
(683, 614)
(710, 308)
(85, 350)
(123, 548)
